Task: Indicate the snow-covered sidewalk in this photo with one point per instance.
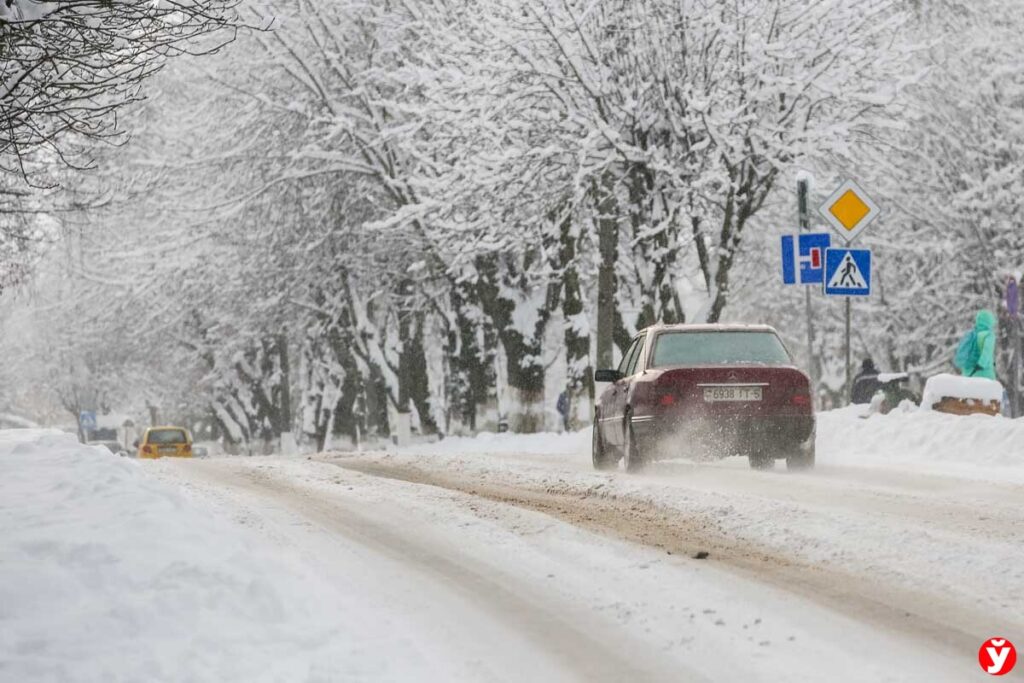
(109, 575)
(973, 446)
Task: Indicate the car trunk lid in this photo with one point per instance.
(735, 390)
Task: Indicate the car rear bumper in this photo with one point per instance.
(670, 436)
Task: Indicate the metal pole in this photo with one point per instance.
(1015, 368)
(849, 377)
(805, 225)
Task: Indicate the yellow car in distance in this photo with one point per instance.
(165, 442)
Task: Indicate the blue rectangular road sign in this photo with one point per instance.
(87, 420)
(848, 272)
(807, 250)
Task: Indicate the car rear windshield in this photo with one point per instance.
(167, 436)
(718, 348)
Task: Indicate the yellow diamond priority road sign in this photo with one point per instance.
(849, 210)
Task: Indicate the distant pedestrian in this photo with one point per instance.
(976, 353)
(866, 383)
(562, 406)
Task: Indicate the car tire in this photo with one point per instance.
(599, 452)
(632, 458)
(761, 461)
(802, 460)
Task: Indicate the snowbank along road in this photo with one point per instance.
(511, 560)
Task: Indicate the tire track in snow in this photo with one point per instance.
(944, 624)
(552, 628)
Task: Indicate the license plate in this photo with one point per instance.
(735, 393)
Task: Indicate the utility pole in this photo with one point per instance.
(802, 189)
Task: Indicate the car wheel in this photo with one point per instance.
(599, 453)
(632, 459)
(802, 460)
(761, 461)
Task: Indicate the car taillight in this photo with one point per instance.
(188, 448)
(147, 449)
(802, 400)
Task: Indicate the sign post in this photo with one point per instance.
(803, 262)
(848, 386)
(849, 210)
(848, 274)
(804, 219)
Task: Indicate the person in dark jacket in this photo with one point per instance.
(866, 383)
(562, 406)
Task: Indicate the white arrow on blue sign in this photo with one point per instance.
(848, 272)
(808, 252)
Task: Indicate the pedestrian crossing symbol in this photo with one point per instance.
(848, 276)
(848, 272)
(87, 420)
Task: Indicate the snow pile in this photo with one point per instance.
(10, 421)
(109, 575)
(847, 436)
(490, 443)
(917, 437)
(956, 386)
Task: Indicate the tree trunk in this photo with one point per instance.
(607, 284)
(580, 376)
(284, 402)
(522, 350)
(418, 391)
(471, 348)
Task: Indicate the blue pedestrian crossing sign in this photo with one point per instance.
(848, 272)
(803, 258)
(87, 420)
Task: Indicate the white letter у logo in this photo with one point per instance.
(997, 656)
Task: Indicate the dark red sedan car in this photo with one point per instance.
(705, 391)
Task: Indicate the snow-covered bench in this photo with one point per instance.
(962, 395)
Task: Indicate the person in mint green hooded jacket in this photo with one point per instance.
(978, 358)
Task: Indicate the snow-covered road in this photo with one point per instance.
(894, 571)
(510, 559)
(498, 578)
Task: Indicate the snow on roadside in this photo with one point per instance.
(958, 386)
(109, 575)
(545, 443)
(978, 446)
